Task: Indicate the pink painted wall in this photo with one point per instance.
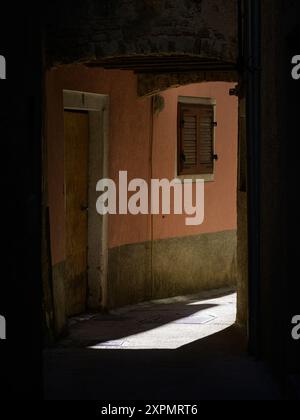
(129, 149)
(220, 195)
(129, 140)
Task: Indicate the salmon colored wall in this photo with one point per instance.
(129, 139)
(220, 195)
(129, 149)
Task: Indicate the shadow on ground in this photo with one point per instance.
(174, 365)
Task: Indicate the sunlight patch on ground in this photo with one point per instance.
(154, 332)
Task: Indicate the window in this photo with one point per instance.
(196, 133)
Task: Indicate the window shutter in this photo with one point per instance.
(196, 142)
(206, 139)
(189, 140)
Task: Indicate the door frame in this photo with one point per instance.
(97, 107)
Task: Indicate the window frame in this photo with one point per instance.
(190, 100)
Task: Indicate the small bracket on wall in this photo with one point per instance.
(158, 104)
(234, 91)
(237, 91)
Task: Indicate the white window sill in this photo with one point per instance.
(194, 178)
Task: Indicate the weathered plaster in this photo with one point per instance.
(59, 297)
(96, 30)
(171, 267)
(151, 83)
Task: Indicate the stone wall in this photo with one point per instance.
(94, 30)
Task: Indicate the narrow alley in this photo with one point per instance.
(118, 291)
(181, 348)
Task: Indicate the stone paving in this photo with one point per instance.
(185, 348)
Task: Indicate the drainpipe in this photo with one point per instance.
(150, 179)
(253, 109)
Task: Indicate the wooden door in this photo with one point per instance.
(76, 184)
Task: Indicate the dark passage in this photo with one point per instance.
(177, 349)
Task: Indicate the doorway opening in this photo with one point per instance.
(85, 151)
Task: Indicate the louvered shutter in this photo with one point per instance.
(196, 139)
